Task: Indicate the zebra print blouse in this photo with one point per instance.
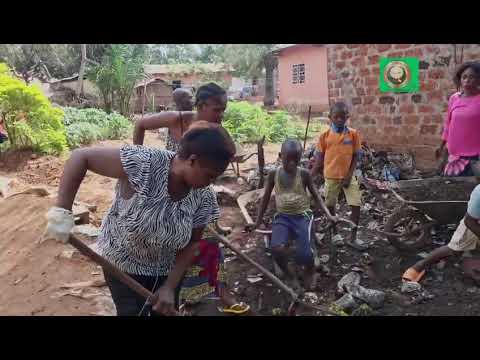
(141, 235)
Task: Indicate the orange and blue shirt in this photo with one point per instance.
(338, 146)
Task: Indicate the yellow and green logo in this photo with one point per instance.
(399, 74)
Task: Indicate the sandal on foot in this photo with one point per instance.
(413, 275)
(238, 308)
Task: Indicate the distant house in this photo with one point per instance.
(302, 76)
(155, 93)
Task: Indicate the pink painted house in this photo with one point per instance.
(302, 78)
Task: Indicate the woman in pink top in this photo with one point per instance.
(461, 131)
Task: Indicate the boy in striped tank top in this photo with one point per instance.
(294, 216)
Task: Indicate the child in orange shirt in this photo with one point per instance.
(336, 158)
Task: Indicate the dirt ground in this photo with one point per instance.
(33, 274)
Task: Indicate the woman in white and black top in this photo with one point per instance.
(161, 207)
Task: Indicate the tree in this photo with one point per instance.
(173, 53)
(116, 76)
(250, 60)
(81, 71)
(211, 53)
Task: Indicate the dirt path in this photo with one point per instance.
(31, 274)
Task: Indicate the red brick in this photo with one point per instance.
(371, 90)
(428, 85)
(368, 100)
(429, 49)
(396, 54)
(384, 119)
(358, 61)
(364, 72)
(374, 109)
(330, 84)
(373, 59)
(416, 52)
(422, 75)
(425, 108)
(438, 119)
(427, 119)
(435, 95)
(335, 92)
(360, 109)
(360, 91)
(353, 46)
(407, 108)
(391, 130)
(402, 46)
(428, 129)
(363, 51)
(371, 81)
(347, 55)
(338, 83)
(411, 120)
(340, 65)
(436, 73)
(383, 47)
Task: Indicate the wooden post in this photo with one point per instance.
(306, 130)
(261, 162)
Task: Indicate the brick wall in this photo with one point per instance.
(391, 121)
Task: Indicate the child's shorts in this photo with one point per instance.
(352, 193)
(463, 239)
(299, 227)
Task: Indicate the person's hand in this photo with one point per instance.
(250, 227)
(164, 301)
(60, 223)
(346, 182)
(333, 219)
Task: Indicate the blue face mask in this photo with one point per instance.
(338, 129)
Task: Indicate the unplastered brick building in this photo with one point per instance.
(394, 121)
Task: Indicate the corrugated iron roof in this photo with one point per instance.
(283, 47)
(187, 68)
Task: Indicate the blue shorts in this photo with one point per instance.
(299, 227)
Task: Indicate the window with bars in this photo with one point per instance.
(298, 72)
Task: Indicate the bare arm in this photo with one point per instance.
(318, 164)
(307, 178)
(165, 119)
(472, 224)
(266, 197)
(102, 161)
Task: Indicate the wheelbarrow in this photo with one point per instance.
(424, 204)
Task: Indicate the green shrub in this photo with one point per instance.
(30, 119)
(85, 126)
(248, 123)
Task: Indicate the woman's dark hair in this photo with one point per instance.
(208, 91)
(474, 65)
(209, 142)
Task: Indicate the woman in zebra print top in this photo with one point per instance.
(161, 207)
(208, 274)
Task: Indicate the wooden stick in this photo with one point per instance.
(110, 268)
(306, 129)
(268, 274)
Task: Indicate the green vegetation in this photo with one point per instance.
(85, 126)
(29, 118)
(248, 123)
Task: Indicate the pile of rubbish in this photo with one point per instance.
(387, 166)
